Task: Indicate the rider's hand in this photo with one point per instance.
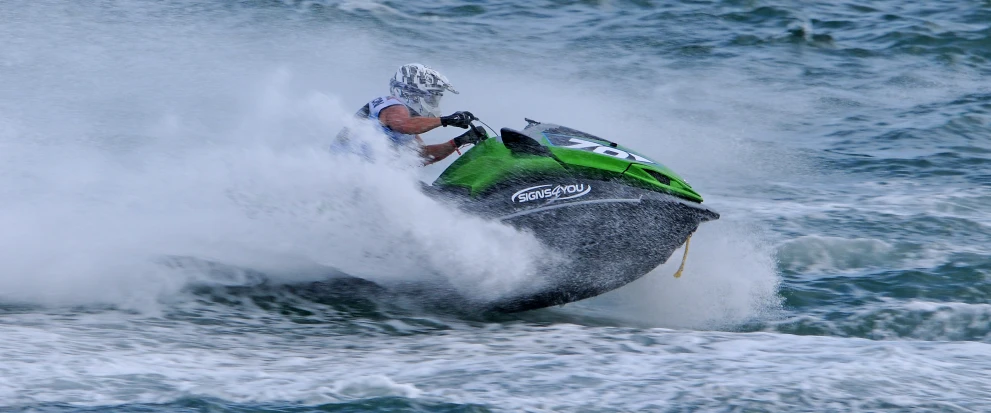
(459, 119)
(474, 135)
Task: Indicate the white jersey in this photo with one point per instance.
(372, 110)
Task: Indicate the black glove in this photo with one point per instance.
(474, 135)
(459, 119)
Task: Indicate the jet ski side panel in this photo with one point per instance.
(490, 164)
(609, 234)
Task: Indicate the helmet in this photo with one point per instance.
(421, 88)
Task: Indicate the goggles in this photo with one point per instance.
(432, 98)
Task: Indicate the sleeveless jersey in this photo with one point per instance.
(372, 110)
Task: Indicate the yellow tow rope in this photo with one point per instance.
(683, 257)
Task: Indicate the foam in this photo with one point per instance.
(571, 366)
(730, 278)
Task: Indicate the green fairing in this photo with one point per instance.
(490, 163)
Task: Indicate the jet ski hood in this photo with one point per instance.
(546, 149)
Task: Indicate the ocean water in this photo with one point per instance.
(846, 145)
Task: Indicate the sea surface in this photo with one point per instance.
(165, 180)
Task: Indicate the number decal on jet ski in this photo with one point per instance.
(580, 144)
(550, 193)
(599, 148)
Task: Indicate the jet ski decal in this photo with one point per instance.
(550, 193)
(568, 142)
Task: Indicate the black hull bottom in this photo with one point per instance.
(610, 235)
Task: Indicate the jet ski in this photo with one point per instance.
(613, 213)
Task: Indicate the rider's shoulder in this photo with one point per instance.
(383, 102)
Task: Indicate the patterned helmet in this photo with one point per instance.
(421, 88)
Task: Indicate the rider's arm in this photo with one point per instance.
(397, 118)
(434, 153)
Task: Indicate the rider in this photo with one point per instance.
(413, 108)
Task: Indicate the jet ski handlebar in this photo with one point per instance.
(484, 135)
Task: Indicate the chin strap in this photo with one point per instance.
(677, 274)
